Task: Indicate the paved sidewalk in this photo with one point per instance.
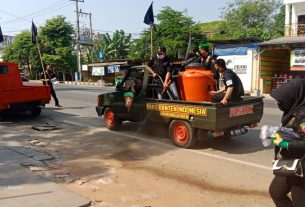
(20, 187)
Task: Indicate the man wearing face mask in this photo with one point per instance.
(233, 88)
(160, 65)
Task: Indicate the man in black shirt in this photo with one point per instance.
(208, 61)
(160, 65)
(233, 88)
(50, 76)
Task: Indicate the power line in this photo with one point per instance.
(54, 7)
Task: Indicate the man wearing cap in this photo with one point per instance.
(233, 88)
(160, 66)
(206, 56)
(208, 60)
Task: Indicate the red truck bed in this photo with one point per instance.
(12, 90)
(24, 94)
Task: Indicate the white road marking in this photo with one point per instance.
(171, 146)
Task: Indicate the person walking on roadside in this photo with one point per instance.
(291, 100)
(50, 76)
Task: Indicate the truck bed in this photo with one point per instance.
(207, 115)
(24, 94)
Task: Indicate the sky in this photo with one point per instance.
(107, 16)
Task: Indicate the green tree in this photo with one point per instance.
(140, 48)
(212, 30)
(23, 52)
(250, 19)
(279, 25)
(56, 39)
(115, 47)
(172, 30)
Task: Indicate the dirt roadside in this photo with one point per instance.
(114, 170)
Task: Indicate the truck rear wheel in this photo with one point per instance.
(182, 134)
(36, 111)
(112, 122)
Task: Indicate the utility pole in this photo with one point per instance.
(91, 30)
(78, 40)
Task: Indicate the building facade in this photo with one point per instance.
(283, 59)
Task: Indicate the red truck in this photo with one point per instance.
(18, 97)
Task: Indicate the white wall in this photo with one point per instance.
(242, 66)
(294, 8)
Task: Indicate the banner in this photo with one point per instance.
(298, 57)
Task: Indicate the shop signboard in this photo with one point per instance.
(113, 68)
(298, 57)
(242, 66)
(98, 71)
(84, 67)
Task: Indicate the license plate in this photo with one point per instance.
(238, 132)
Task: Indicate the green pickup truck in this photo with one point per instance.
(134, 100)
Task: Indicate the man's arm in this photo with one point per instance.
(223, 89)
(167, 79)
(151, 71)
(229, 91)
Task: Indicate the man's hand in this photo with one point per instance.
(154, 75)
(224, 101)
(278, 141)
(165, 86)
(212, 93)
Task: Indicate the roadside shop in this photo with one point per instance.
(105, 72)
(282, 60)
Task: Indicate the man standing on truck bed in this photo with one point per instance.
(49, 77)
(233, 88)
(208, 61)
(160, 65)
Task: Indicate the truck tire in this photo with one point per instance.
(112, 122)
(182, 134)
(36, 111)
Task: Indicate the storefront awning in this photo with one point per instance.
(124, 63)
(284, 40)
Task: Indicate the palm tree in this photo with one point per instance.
(116, 47)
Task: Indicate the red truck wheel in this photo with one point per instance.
(182, 134)
(112, 122)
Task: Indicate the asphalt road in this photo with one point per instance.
(241, 164)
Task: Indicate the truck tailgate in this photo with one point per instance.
(24, 94)
(239, 114)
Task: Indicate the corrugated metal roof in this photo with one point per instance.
(285, 40)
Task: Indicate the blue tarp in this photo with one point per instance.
(229, 49)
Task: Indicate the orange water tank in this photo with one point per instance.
(195, 84)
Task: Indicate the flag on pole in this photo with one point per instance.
(149, 16)
(1, 35)
(34, 33)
